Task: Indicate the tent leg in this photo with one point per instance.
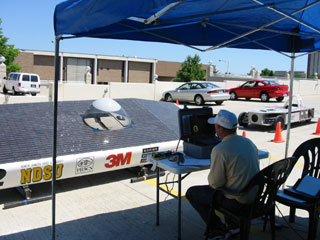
(290, 103)
(54, 152)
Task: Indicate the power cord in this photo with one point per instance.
(166, 184)
(289, 223)
(178, 144)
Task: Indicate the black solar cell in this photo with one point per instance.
(26, 130)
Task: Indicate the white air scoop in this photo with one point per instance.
(106, 114)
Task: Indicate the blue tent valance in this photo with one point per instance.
(281, 25)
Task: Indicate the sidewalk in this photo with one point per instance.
(108, 206)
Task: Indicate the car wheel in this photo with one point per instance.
(33, 94)
(198, 99)
(4, 90)
(278, 119)
(279, 99)
(218, 102)
(264, 97)
(248, 98)
(243, 119)
(233, 96)
(168, 98)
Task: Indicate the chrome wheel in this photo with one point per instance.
(233, 96)
(198, 100)
(264, 97)
(168, 98)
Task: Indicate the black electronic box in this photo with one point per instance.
(198, 135)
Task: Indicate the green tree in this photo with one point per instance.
(298, 75)
(190, 70)
(9, 52)
(267, 72)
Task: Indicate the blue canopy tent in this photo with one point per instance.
(285, 26)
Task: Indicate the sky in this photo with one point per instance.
(29, 25)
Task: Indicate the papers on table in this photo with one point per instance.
(190, 161)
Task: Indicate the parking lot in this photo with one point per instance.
(108, 206)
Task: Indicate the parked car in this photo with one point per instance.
(198, 92)
(263, 89)
(22, 83)
(270, 116)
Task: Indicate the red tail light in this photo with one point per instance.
(217, 91)
(19, 84)
(214, 91)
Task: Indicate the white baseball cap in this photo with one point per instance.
(225, 119)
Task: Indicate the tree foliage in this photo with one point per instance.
(9, 52)
(267, 72)
(190, 70)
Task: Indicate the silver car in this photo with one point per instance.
(198, 92)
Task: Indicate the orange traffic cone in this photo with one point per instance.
(244, 134)
(318, 128)
(278, 136)
(177, 102)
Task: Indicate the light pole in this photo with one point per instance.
(227, 62)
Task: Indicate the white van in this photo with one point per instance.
(22, 83)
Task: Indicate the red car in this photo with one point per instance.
(263, 89)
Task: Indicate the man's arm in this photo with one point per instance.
(216, 177)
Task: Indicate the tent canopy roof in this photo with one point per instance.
(281, 25)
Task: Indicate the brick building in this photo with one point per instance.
(103, 68)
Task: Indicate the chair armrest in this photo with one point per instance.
(300, 195)
(235, 193)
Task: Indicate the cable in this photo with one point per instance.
(178, 144)
(288, 223)
(169, 191)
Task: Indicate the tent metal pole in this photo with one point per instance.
(163, 11)
(292, 18)
(267, 30)
(160, 36)
(248, 39)
(259, 28)
(55, 121)
(290, 103)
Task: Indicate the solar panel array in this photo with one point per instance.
(26, 130)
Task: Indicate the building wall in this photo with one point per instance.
(25, 60)
(139, 72)
(164, 79)
(313, 64)
(167, 71)
(40, 64)
(43, 66)
(109, 71)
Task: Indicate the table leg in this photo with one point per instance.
(158, 185)
(179, 206)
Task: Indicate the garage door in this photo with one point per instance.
(76, 69)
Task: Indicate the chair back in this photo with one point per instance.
(267, 182)
(310, 152)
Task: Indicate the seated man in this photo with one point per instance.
(234, 162)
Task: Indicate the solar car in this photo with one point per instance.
(270, 116)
